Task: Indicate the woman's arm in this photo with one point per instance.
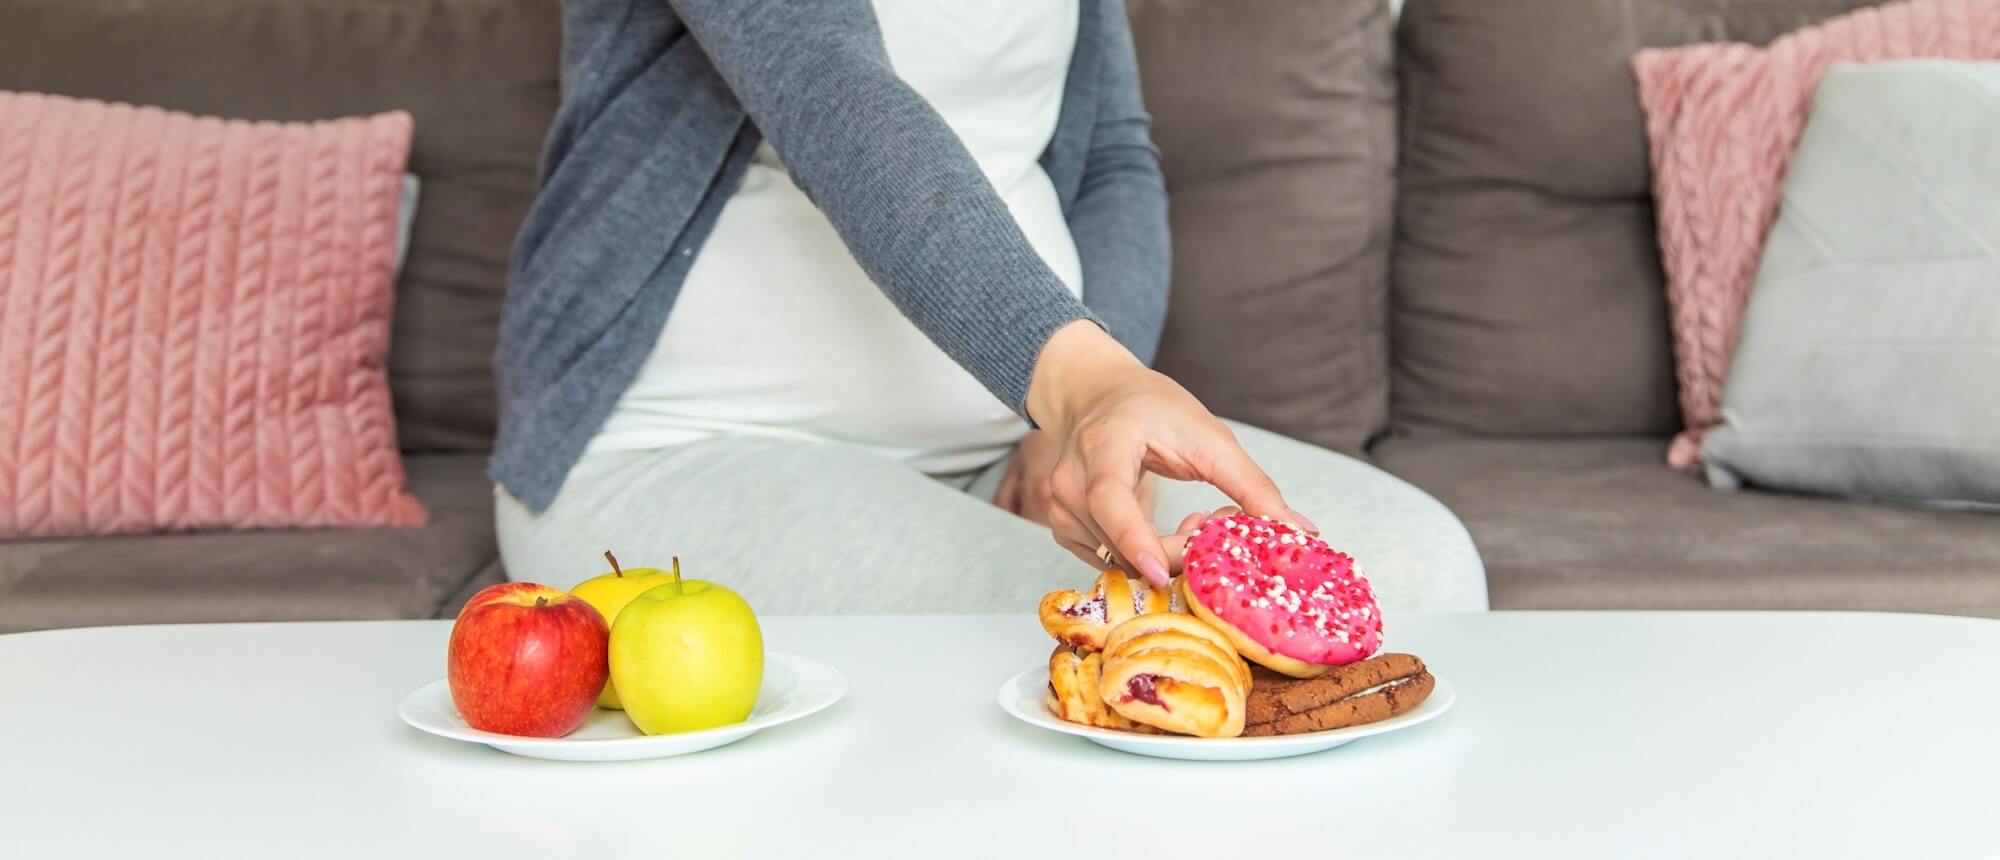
(1119, 217)
(923, 222)
(895, 181)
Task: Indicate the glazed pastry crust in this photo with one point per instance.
(1073, 686)
(1175, 673)
(1082, 620)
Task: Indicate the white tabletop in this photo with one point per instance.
(1580, 734)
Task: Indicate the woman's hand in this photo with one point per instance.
(1024, 489)
(1117, 421)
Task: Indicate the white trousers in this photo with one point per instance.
(801, 528)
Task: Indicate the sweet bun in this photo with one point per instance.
(1177, 674)
(1081, 620)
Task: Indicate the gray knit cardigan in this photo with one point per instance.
(663, 102)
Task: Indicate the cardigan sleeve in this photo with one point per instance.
(899, 187)
(1119, 215)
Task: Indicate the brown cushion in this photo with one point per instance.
(477, 75)
(1603, 524)
(1276, 132)
(265, 576)
(1528, 297)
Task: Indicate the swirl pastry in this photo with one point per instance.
(1073, 690)
(1176, 673)
(1081, 621)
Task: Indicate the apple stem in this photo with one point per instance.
(615, 571)
(677, 569)
(541, 601)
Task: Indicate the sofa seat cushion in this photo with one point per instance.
(1604, 524)
(264, 576)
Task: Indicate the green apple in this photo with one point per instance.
(610, 592)
(685, 656)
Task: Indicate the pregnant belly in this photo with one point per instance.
(777, 330)
(851, 371)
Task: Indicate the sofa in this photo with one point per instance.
(1425, 240)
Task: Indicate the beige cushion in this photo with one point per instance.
(1277, 134)
(265, 576)
(479, 77)
(1603, 524)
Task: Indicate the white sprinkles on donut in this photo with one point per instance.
(1284, 588)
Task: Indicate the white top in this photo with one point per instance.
(1592, 735)
(778, 332)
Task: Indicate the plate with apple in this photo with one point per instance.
(637, 663)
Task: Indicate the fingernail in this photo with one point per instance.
(1299, 519)
(1152, 569)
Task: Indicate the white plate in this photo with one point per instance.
(794, 687)
(1022, 696)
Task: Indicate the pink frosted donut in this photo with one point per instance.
(1282, 596)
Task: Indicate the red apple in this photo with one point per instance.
(527, 659)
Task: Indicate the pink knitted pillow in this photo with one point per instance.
(1723, 120)
(193, 318)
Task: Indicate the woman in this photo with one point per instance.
(887, 234)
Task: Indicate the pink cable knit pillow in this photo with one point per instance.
(193, 318)
(1723, 120)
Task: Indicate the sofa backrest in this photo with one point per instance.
(1276, 128)
(1524, 297)
(479, 77)
(1527, 296)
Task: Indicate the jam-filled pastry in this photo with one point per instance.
(1073, 690)
(1282, 596)
(1082, 620)
(1177, 673)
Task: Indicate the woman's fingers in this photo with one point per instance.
(1112, 501)
(1034, 499)
(1072, 535)
(1232, 471)
(1176, 547)
(1094, 499)
(1193, 521)
(1148, 492)
(1086, 555)
(1116, 420)
(1008, 496)
(1190, 522)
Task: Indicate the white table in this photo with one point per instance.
(1583, 734)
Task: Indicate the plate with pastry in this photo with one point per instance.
(1265, 647)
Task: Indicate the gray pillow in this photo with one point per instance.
(1869, 362)
(406, 216)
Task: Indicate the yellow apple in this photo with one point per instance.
(608, 593)
(686, 656)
